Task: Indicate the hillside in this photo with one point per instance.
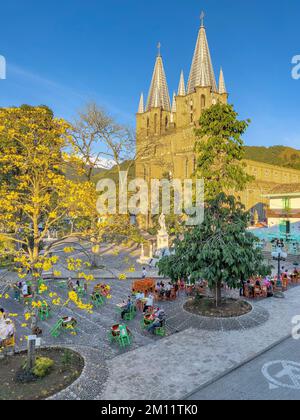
(275, 155)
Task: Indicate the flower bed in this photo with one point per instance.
(67, 367)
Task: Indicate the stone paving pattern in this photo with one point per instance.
(195, 350)
(179, 364)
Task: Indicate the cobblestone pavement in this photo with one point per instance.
(195, 350)
(273, 376)
(181, 363)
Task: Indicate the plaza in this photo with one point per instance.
(178, 363)
(149, 250)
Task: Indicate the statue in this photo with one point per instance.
(162, 236)
(162, 223)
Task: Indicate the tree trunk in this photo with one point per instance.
(218, 293)
(30, 355)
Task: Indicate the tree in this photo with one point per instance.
(220, 250)
(97, 138)
(219, 151)
(35, 194)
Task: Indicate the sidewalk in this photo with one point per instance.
(181, 363)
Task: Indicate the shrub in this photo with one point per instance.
(43, 366)
(67, 358)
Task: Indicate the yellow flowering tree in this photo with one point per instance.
(35, 193)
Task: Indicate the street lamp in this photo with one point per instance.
(279, 255)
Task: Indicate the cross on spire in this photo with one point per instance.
(159, 49)
(202, 16)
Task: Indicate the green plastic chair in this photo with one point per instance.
(124, 339)
(62, 284)
(129, 316)
(97, 300)
(161, 331)
(44, 312)
(28, 300)
(81, 292)
(56, 330)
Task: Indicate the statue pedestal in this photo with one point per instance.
(162, 241)
(143, 259)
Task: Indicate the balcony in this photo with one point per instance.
(283, 213)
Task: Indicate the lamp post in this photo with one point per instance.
(279, 255)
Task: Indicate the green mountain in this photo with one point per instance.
(275, 155)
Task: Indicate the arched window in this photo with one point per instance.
(186, 168)
(192, 117)
(148, 125)
(166, 123)
(145, 172)
(155, 124)
(203, 101)
(194, 163)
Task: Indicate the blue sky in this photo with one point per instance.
(67, 53)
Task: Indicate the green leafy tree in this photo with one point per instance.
(220, 151)
(221, 250)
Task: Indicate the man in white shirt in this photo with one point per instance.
(149, 302)
(25, 289)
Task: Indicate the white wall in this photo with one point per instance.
(277, 203)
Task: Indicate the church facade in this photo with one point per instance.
(165, 130)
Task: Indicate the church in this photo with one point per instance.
(165, 129)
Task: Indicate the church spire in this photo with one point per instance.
(174, 105)
(159, 93)
(181, 87)
(174, 108)
(202, 72)
(141, 105)
(222, 86)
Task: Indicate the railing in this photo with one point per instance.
(282, 213)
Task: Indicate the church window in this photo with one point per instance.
(148, 125)
(203, 101)
(166, 123)
(194, 164)
(155, 123)
(186, 168)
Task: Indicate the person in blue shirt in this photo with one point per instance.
(127, 307)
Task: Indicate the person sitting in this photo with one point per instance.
(2, 314)
(25, 290)
(139, 301)
(250, 288)
(168, 289)
(159, 321)
(270, 289)
(127, 307)
(7, 331)
(149, 302)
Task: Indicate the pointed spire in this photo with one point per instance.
(141, 105)
(157, 101)
(159, 93)
(202, 72)
(181, 87)
(174, 105)
(222, 86)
